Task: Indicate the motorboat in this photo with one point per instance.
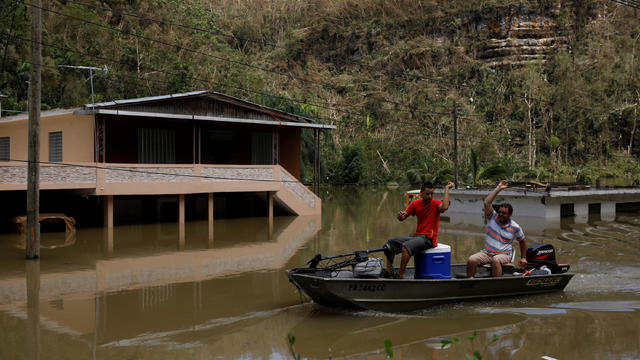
(356, 280)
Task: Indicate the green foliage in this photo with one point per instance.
(387, 348)
(475, 354)
(292, 341)
(348, 169)
(494, 172)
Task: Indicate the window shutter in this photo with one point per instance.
(55, 146)
(5, 153)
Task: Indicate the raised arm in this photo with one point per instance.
(488, 201)
(445, 200)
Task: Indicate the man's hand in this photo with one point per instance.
(488, 209)
(402, 215)
(450, 185)
(523, 262)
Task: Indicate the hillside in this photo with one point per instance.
(543, 90)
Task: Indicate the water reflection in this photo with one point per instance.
(159, 291)
(33, 308)
(323, 335)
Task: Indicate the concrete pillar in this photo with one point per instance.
(608, 211)
(270, 200)
(181, 208)
(581, 211)
(210, 216)
(108, 211)
(108, 246)
(181, 236)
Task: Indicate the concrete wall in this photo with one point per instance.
(541, 207)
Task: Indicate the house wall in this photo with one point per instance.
(77, 137)
(290, 145)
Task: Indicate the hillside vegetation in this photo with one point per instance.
(392, 75)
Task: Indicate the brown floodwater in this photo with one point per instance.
(149, 292)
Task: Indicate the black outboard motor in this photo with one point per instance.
(540, 255)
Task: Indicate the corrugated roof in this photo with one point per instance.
(146, 99)
(25, 115)
(208, 93)
(203, 93)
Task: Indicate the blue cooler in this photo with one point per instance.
(434, 263)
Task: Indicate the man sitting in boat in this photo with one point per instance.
(427, 210)
(501, 231)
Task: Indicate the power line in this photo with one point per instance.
(208, 82)
(234, 37)
(408, 110)
(179, 47)
(148, 172)
(631, 3)
(126, 169)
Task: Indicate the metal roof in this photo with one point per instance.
(207, 93)
(110, 108)
(25, 115)
(206, 118)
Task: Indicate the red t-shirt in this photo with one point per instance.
(428, 218)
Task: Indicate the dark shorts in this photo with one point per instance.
(412, 243)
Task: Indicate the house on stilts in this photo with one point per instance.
(175, 157)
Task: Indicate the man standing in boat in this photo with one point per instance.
(427, 210)
(501, 231)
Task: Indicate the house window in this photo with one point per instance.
(156, 146)
(261, 148)
(219, 146)
(55, 146)
(5, 154)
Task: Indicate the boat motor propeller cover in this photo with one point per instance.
(544, 255)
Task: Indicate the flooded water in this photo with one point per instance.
(155, 292)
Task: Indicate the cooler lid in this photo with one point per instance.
(442, 248)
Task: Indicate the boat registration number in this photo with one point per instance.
(366, 287)
(543, 282)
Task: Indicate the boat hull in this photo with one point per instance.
(339, 289)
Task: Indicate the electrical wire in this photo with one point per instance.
(179, 47)
(208, 82)
(234, 37)
(244, 64)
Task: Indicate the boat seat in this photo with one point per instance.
(508, 268)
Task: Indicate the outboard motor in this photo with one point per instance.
(540, 256)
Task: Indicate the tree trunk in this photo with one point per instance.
(531, 142)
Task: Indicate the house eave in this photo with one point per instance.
(203, 118)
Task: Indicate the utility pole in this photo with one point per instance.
(454, 115)
(33, 168)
